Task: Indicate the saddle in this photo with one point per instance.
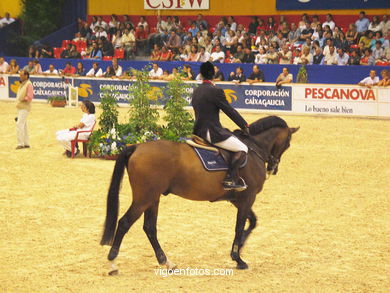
(212, 157)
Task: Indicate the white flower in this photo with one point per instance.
(113, 146)
(113, 131)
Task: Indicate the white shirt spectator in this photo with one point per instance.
(330, 23)
(343, 60)
(54, 72)
(118, 71)
(261, 59)
(3, 66)
(158, 73)
(331, 59)
(369, 81)
(204, 57)
(92, 72)
(4, 21)
(218, 57)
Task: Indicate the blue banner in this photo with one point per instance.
(260, 97)
(43, 87)
(330, 4)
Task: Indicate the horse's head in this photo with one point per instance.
(280, 144)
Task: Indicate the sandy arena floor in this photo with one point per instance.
(323, 220)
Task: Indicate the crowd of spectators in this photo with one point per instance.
(364, 42)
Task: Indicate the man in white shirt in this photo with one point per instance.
(342, 57)
(203, 55)
(218, 55)
(329, 21)
(370, 80)
(117, 68)
(51, 70)
(284, 77)
(331, 56)
(95, 70)
(3, 65)
(156, 72)
(6, 20)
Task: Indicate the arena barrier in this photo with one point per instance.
(313, 99)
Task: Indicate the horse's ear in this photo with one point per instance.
(293, 130)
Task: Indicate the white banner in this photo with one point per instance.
(4, 87)
(177, 4)
(346, 100)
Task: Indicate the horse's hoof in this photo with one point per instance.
(242, 266)
(170, 265)
(114, 273)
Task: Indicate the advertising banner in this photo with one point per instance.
(330, 4)
(44, 87)
(177, 4)
(3, 86)
(335, 100)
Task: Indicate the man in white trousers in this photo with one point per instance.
(24, 98)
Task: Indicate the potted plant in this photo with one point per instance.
(57, 101)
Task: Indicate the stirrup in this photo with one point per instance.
(231, 185)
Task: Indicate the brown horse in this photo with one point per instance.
(163, 167)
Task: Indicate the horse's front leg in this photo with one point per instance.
(242, 215)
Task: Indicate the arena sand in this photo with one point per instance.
(323, 220)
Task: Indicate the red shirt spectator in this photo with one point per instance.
(69, 69)
(141, 34)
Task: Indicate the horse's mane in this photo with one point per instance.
(266, 123)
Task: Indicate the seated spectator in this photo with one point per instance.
(73, 53)
(13, 67)
(248, 57)
(331, 56)
(218, 56)
(113, 25)
(65, 52)
(68, 70)
(116, 67)
(366, 39)
(354, 59)
(29, 67)
(47, 51)
(285, 56)
(272, 56)
(110, 72)
(96, 52)
(253, 25)
(37, 67)
(141, 38)
(95, 71)
(166, 76)
(174, 40)
(256, 76)
(306, 56)
(88, 120)
(85, 32)
(156, 52)
(271, 25)
(166, 55)
(378, 52)
(370, 81)
(362, 23)
(127, 22)
(238, 56)
(100, 32)
(342, 57)
(174, 74)
(80, 71)
(193, 56)
(188, 73)
(3, 65)
(375, 24)
(378, 37)
(294, 34)
(303, 21)
(284, 30)
(238, 76)
(284, 77)
(145, 25)
(367, 59)
(156, 72)
(203, 56)
(101, 23)
(385, 23)
(128, 43)
(6, 20)
(315, 23)
(77, 38)
(218, 75)
(329, 22)
(307, 32)
(107, 47)
(201, 21)
(33, 52)
(318, 57)
(261, 57)
(352, 34)
(385, 78)
(117, 40)
(51, 70)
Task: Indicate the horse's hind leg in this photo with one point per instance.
(124, 224)
(150, 222)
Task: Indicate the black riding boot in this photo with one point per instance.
(233, 180)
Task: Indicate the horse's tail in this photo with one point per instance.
(113, 196)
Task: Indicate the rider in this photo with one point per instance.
(207, 100)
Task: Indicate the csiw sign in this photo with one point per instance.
(177, 4)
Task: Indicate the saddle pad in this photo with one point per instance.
(213, 161)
